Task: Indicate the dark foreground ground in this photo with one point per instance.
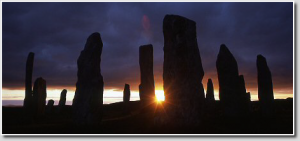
(137, 121)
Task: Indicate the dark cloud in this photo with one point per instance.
(56, 33)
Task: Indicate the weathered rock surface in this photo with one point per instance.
(182, 71)
(232, 89)
(39, 97)
(146, 88)
(265, 86)
(126, 93)
(88, 100)
(210, 97)
(63, 98)
(28, 82)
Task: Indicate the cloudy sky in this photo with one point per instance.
(57, 32)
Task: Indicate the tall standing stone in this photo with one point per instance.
(232, 90)
(28, 82)
(126, 93)
(88, 100)
(182, 71)
(39, 97)
(210, 94)
(63, 98)
(146, 88)
(265, 86)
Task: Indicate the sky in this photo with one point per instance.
(57, 32)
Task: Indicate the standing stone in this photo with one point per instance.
(88, 100)
(210, 97)
(265, 86)
(49, 108)
(126, 93)
(232, 89)
(248, 98)
(182, 72)
(63, 98)
(39, 97)
(245, 101)
(146, 88)
(28, 82)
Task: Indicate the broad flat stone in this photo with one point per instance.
(182, 72)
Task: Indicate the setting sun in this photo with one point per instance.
(160, 96)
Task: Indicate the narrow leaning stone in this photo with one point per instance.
(28, 82)
(265, 86)
(232, 89)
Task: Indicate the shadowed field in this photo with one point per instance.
(116, 120)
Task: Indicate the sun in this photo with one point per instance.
(160, 95)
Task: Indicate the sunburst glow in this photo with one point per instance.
(160, 95)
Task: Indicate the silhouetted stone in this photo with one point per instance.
(146, 88)
(49, 108)
(245, 101)
(248, 94)
(126, 93)
(63, 98)
(210, 97)
(28, 83)
(182, 72)
(88, 100)
(232, 89)
(248, 99)
(265, 86)
(39, 97)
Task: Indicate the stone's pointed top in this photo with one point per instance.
(223, 47)
(31, 53)
(224, 50)
(261, 62)
(241, 77)
(261, 58)
(226, 60)
(64, 93)
(93, 39)
(209, 80)
(127, 85)
(94, 36)
(40, 79)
